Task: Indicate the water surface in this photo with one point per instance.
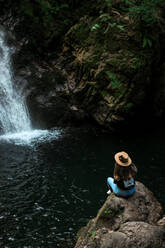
(49, 189)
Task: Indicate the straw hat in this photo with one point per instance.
(122, 159)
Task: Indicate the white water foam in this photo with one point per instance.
(14, 116)
(31, 138)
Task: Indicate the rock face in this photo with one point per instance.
(136, 222)
(111, 68)
(47, 91)
(103, 70)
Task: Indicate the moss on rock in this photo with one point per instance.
(111, 65)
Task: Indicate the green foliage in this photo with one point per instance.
(121, 27)
(28, 10)
(45, 10)
(44, 19)
(105, 21)
(93, 234)
(105, 3)
(108, 2)
(112, 212)
(95, 27)
(108, 212)
(104, 17)
(114, 81)
(144, 10)
(147, 42)
(116, 85)
(78, 235)
(128, 105)
(145, 14)
(137, 63)
(104, 93)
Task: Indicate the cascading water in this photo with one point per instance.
(14, 116)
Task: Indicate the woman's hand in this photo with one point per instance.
(116, 179)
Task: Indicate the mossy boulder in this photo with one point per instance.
(111, 63)
(132, 223)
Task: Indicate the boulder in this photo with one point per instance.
(133, 222)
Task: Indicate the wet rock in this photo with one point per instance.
(49, 98)
(109, 74)
(134, 222)
(134, 234)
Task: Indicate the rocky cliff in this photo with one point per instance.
(105, 67)
(135, 222)
(109, 58)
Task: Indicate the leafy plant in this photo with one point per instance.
(128, 105)
(114, 81)
(116, 85)
(106, 3)
(113, 24)
(144, 10)
(108, 211)
(147, 42)
(95, 27)
(44, 19)
(137, 63)
(104, 93)
(121, 27)
(105, 17)
(78, 235)
(93, 234)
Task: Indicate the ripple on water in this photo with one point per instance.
(49, 191)
(36, 192)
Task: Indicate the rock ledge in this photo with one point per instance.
(136, 222)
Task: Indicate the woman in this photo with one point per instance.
(125, 171)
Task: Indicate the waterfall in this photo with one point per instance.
(14, 116)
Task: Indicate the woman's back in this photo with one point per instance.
(125, 171)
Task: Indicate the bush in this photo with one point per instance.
(145, 11)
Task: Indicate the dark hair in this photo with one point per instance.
(124, 172)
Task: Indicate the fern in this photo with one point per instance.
(147, 42)
(114, 81)
(145, 10)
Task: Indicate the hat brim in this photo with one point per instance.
(121, 163)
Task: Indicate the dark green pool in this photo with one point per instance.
(48, 191)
